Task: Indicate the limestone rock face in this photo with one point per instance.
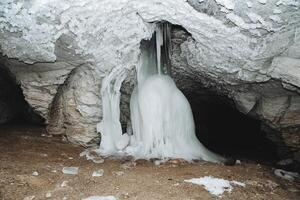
(60, 50)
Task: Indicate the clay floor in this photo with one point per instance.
(24, 150)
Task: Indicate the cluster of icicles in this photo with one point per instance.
(162, 124)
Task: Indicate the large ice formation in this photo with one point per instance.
(161, 116)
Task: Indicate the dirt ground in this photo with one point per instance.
(24, 150)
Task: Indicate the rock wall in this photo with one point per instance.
(246, 50)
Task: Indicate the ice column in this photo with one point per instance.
(161, 117)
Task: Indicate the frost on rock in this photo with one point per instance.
(215, 186)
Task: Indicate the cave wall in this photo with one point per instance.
(247, 51)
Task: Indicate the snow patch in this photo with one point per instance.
(215, 186)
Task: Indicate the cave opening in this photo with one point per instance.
(222, 128)
(16, 113)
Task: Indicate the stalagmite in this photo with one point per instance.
(162, 120)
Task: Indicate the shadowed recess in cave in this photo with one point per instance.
(223, 129)
(13, 107)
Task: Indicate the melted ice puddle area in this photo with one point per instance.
(215, 186)
(161, 117)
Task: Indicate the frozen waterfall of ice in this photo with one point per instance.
(161, 117)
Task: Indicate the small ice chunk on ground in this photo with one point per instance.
(290, 176)
(64, 184)
(48, 194)
(29, 198)
(98, 173)
(238, 162)
(35, 173)
(70, 170)
(100, 198)
(215, 186)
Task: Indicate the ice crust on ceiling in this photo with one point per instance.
(109, 32)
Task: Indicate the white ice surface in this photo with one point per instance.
(215, 186)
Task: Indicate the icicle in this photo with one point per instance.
(159, 44)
